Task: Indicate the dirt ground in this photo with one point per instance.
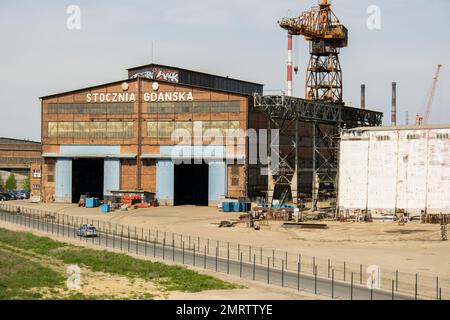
(106, 285)
(412, 248)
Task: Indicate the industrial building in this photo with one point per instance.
(389, 170)
(23, 159)
(117, 136)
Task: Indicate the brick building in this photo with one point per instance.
(118, 136)
(23, 159)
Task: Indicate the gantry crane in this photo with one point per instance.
(326, 35)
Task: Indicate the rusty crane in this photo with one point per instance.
(321, 27)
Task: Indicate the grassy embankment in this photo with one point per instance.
(33, 267)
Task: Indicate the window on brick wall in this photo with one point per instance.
(235, 176)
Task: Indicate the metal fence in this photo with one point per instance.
(251, 262)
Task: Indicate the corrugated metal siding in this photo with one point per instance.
(406, 170)
(382, 170)
(165, 181)
(111, 180)
(353, 157)
(217, 181)
(63, 185)
(438, 197)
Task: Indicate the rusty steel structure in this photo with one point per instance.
(326, 120)
(321, 27)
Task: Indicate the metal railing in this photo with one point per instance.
(232, 256)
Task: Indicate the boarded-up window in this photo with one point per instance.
(235, 176)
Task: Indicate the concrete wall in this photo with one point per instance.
(392, 170)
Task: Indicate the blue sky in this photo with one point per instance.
(238, 38)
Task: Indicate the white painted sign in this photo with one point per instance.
(147, 97)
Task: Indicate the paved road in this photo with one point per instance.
(263, 273)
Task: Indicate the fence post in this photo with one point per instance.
(268, 270)
(371, 290)
(228, 258)
(137, 244)
(437, 288)
(240, 266)
(164, 248)
(121, 240)
(193, 257)
(298, 276)
(315, 280)
(273, 258)
(393, 284)
(217, 254)
(360, 274)
(254, 266)
(351, 287)
(286, 264)
(260, 256)
(173, 248)
(415, 288)
(328, 268)
(332, 284)
(204, 259)
(282, 273)
(145, 246)
(314, 264)
(129, 238)
(183, 251)
(154, 249)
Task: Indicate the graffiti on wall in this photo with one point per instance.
(159, 74)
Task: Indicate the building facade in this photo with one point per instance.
(390, 170)
(119, 136)
(21, 158)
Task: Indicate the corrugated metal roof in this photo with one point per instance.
(4, 140)
(397, 128)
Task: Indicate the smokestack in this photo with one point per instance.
(289, 66)
(394, 104)
(363, 96)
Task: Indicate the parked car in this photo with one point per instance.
(6, 196)
(12, 195)
(3, 198)
(87, 230)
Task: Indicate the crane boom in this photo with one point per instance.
(321, 27)
(430, 98)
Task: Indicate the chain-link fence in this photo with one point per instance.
(235, 255)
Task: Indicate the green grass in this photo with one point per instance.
(170, 278)
(18, 275)
(27, 241)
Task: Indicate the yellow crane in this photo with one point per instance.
(321, 27)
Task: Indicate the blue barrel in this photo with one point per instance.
(226, 207)
(236, 206)
(89, 203)
(105, 208)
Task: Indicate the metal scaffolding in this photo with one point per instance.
(285, 113)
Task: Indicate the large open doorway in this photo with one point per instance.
(87, 178)
(191, 184)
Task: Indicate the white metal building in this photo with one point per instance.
(385, 170)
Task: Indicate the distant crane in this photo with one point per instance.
(430, 98)
(326, 35)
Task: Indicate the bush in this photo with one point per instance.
(11, 183)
